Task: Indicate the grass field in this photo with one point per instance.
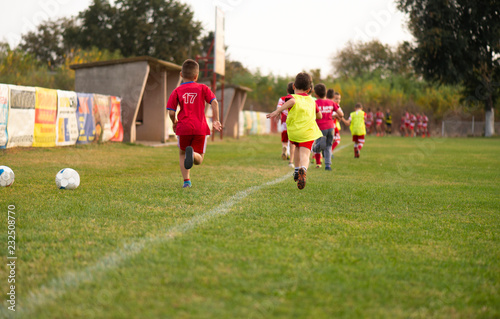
(410, 230)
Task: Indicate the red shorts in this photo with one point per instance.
(360, 139)
(197, 142)
(304, 144)
(284, 137)
(412, 126)
(379, 122)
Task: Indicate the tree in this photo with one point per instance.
(47, 43)
(359, 59)
(457, 41)
(164, 29)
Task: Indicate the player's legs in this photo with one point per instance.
(292, 155)
(284, 144)
(328, 148)
(191, 151)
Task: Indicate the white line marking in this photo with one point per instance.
(59, 286)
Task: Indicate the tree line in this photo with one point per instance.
(452, 67)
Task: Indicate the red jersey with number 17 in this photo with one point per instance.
(191, 98)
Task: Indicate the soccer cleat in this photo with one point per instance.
(328, 168)
(283, 154)
(186, 184)
(318, 166)
(189, 160)
(291, 165)
(301, 183)
(295, 176)
(356, 152)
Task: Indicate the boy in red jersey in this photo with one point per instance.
(369, 121)
(379, 118)
(301, 124)
(419, 124)
(425, 128)
(326, 124)
(335, 96)
(413, 121)
(284, 134)
(407, 123)
(191, 126)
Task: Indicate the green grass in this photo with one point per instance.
(410, 230)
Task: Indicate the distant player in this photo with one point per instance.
(379, 119)
(413, 122)
(425, 127)
(407, 123)
(419, 124)
(301, 124)
(191, 126)
(284, 134)
(336, 98)
(388, 122)
(358, 130)
(369, 121)
(326, 124)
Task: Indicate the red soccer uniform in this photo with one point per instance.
(191, 98)
(413, 119)
(379, 117)
(326, 107)
(368, 118)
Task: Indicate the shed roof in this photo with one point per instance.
(152, 61)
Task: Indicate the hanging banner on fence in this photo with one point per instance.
(45, 118)
(21, 124)
(67, 125)
(4, 114)
(102, 110)
(85, 118)
(116, 119)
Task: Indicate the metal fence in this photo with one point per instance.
(452, 128)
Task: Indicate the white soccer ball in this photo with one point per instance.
(67, 178)
(6, 176)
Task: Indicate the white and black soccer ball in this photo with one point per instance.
(67, 178)
(6, 176)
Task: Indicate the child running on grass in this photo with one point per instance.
(326, 124)
(191, 125)
(356, 123)
(336, 97)
(284, 134)
(301, 124)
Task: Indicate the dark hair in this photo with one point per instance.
(330, 93)
(358, 106)
(289, 88)
(303, 81)
(320, 90)
(190, 69)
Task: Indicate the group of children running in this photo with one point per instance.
(414, 125)
(383, 122)
(306, 121)
(311, 124)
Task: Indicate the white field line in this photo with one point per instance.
(59, 286)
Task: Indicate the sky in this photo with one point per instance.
(282, 37)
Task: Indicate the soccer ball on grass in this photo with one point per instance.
(67, 178)
(6, 176)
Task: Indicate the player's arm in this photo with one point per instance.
(319, 115)
(340, 113)
(288, 104)
(172, 105)
(346, 122)
(171, 114)
(215, 119)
